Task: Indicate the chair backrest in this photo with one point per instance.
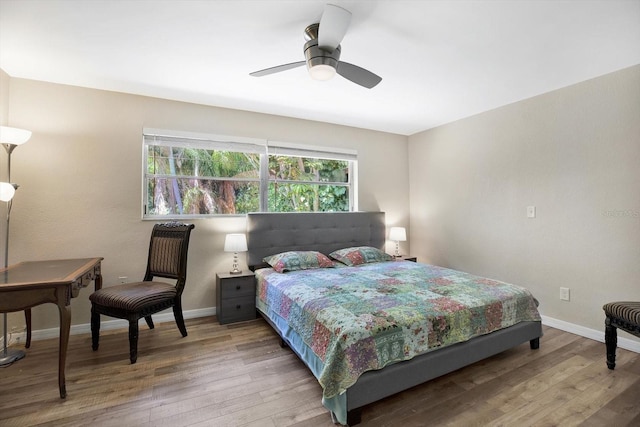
(168, 252)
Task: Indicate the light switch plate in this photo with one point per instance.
(531, 211)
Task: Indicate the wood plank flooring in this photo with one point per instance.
(237, 375)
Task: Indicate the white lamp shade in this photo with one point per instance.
(236, 242)
(7, 191)
(398, 234)
(14, 136)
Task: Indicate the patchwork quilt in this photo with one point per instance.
(357, 319)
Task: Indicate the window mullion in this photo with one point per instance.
(203, 178)
(293, 181)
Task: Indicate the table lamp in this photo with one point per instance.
(235, 242)
(397, 234)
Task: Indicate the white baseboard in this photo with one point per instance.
(626, 343)
(106, 325)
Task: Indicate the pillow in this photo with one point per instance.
(360, 255)
(298, 260)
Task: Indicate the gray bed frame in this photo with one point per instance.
(271, 233)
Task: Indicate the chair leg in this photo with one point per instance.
(611, 341)
(149, 321)
(27, 321)
(133, 340)
(95, 329)
(177, 313)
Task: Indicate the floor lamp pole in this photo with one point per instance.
(8, 355)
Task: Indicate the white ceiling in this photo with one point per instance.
(440, 60)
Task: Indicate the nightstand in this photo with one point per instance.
(236, 297)
(405, 258)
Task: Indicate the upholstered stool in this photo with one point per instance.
(624, 315)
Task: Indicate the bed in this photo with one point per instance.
(350, 380)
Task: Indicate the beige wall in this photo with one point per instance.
(573, 153)
(4, 97)
(80, 180)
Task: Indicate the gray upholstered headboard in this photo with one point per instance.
(272, 233)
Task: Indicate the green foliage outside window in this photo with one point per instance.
(301, 196)
(194, 181)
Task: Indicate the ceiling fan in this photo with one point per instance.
(322, 51)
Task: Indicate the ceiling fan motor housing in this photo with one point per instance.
(318, 56)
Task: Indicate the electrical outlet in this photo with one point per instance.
(564, 294)
(123, 279)
(17, 335)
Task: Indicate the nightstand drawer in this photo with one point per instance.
(236, 297)
(237, 309)
(238, 287)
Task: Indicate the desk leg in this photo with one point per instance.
(27, 321)
(65, 326)
(97, 282)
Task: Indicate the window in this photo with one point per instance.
(194, 175)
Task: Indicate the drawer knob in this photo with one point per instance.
(238, 287)
(238, 307)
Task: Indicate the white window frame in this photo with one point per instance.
(153, 136)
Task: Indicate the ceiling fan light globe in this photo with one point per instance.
(322, 72)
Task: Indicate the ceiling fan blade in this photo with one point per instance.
(358, 75)
(277, 69)
(333, 26)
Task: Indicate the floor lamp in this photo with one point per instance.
(10, 139)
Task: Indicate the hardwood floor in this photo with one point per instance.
(237, 375)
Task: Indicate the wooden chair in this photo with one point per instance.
(133, 301)
(623, 315)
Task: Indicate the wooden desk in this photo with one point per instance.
(31, 283)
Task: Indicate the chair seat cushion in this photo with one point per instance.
(627, 311)
(134, 297)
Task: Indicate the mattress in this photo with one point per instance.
(345, 321)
